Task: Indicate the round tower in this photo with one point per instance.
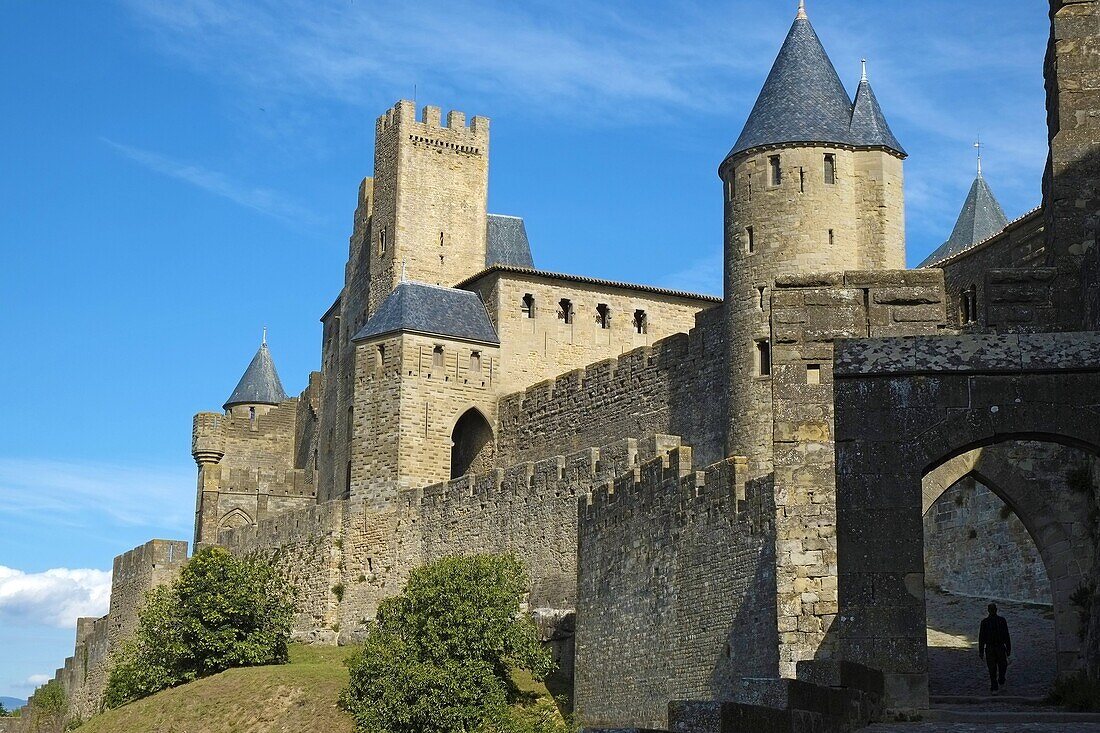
(812, 185)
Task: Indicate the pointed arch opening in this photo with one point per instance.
(472, 444)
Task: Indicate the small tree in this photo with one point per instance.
(223, 611)
(439, 656)
(48, 707)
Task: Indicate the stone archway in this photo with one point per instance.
(904, 409)
(1031, 479)
(472, 444)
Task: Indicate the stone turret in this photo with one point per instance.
(813, 184)
(259, 389)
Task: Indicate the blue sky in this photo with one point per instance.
(177, 174)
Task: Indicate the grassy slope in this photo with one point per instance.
(300, 696)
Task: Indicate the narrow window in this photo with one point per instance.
(528, 305)
(763, 358)
(350, 422)
(776, 170)
(760, 297)
(251, 413)
(475, 362)
(832, 238)
(382, 241)
(603, 315)
(380, 357)
(802, 180)
(748, 183)
(813, 374)
(565, 310)
(730, 188)
(347, 478)
(437, 357)
(830, 168)
(441, 239)
(641, 322)
(968, 306)
(750, 240)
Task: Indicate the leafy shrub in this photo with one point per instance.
(47, 708)
(222, 612)
(439, 656)
(1076, 692)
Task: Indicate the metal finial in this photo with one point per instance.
(802, 10)
(864, 62)
(264, 342)
(978, 146)
(403, 263)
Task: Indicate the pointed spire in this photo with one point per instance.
(260, 384)
(869, 127)
(802, 11)
(981, 217)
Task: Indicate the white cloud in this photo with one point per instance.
(36, 680)
(94, 494)
(55, 597)
(257, 198)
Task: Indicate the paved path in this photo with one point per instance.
(953, 664)
(984, 728)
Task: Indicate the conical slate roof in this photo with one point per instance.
(260, 384)
(981, 218)
(418, 307)
(804, 101)
(869, 128)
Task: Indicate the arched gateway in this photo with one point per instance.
(916, 420)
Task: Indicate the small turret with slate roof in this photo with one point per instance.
(981, 217)
(260, 388)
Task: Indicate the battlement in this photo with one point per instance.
(154, 554)
(668, 483)
(270, 482)
(403, 116)
(314, 521)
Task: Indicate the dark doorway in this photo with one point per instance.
(471, 444)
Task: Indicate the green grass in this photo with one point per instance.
(289, 698)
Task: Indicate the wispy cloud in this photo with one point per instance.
(702, 276)
(595, 55)
(55, 597)
(88, 494)
(259, 199)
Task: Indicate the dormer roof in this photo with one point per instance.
(416, 307)
(260, 384)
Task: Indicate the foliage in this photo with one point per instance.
(47, 707)
(439, 656)
(3, 711)
(1081, 598)
(223, 611)
(1076, 692)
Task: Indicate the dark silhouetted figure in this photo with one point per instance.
(995, 646)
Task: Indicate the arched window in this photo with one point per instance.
(641, 322)
(565, 306)
(603, 315)
(528, 307)
(471, 444)
(437, 357)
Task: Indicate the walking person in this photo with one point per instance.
(995, 646)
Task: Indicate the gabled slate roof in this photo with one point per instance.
(417, 307)
(804, 101)
(506, 242)
(981, 218)
(260, 384)
(869, 128)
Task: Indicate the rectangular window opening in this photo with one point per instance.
(813, 374)
(776, 170)
(528, 307)
(830, 168)
(832, 238)
(437, 356)
(565, 310)
(760, 290)
(750, 239)
(763, 358)
(475, 362)
(382, 241)
(802, 180)
(641, 322)
(603, 315)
